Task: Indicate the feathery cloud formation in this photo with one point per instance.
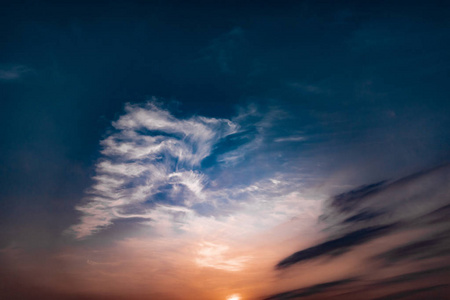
(150, 155)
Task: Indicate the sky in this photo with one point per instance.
(228, 150)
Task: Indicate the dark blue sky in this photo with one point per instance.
(325, 96)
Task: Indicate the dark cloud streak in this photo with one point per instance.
(337, 246)
(311, 290)
(408, 293)
(349, 200)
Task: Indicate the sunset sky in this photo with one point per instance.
(224, 150)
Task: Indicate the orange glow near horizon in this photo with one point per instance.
(234, 297)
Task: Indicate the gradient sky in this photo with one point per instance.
(225, 150)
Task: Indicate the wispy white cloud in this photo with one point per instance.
(150, 154)
(294, 138)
